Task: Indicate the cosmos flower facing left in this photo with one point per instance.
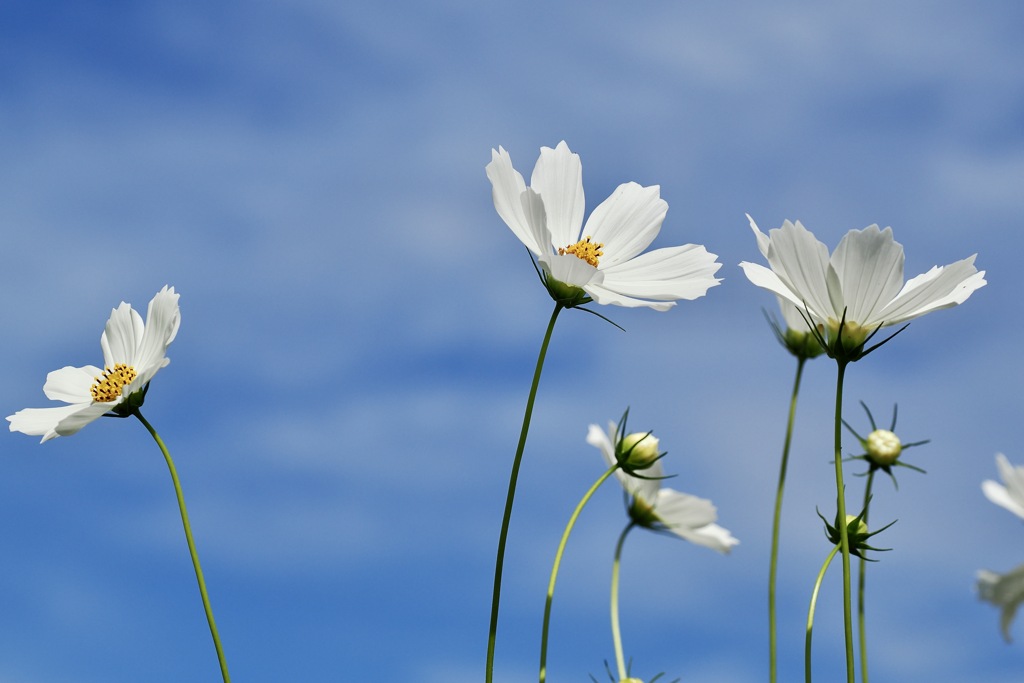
(133, 352)
(663, 509)
(603, 263)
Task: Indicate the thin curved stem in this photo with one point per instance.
(773, 566)
(862, 628)
(844, 538)
(191, 547)
(620, 659)
(810, 613)
(558, 561)
(492, 635)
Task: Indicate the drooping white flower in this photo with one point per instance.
(605, 259)
(861, 284)
(1005, 591)
(133, 352)
(1010, 496)
(663, 509)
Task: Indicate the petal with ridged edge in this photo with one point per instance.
(71, 385)
(627, 222)
(868, 265)
(801, 261)
(45, 422)
(940, 287)
(692, 518)
(122, 337)
(507, 188)
(558, 177)
(162, 321)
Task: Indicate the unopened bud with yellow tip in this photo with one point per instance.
(883, 447)
(638, 450)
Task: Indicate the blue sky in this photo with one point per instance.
(359, 328)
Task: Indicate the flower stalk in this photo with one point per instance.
(557, 563)
(773, 563)
(844, 541)
(620, 659)
(492, 635)
(191, 545)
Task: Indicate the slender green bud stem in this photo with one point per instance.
(844, 539)
(773, 567)
(620, 659)
(558, 561)
(861, 579)
(810, 613)
(191, 547)
(492, 635)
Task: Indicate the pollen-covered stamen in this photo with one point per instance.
(111, 383)
(585, 250)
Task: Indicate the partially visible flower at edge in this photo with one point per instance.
(860, 286)
(663, 509)
(603, 263)
(1010, 496)
(1005, 591)
(133, 352)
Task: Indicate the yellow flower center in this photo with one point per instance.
(584, 249)
(109, 385)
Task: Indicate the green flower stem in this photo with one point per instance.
(844, 539)
(810, 613)
(558, 561)
(492, 635)
(860, 587)
(620, 660)
(191, 547)
(773, 567)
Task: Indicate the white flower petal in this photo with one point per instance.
(507, 188)
(793, 316)
(627, 222)
(998, 494)
(558, 177)
(1010, 496)
(71, 385)
(763, 241)
(44, 421)
(571, 270)
(801, 262)
(692, 519)
(940, 287)
(72, 422)
(122, 337)
(1006, 591)
(869, 266)
(597, 438)
(685, 272)
(162, 321)
(862, 279)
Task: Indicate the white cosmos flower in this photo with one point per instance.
(1010, 496)
(605, 259)
(133, 352)
(664, 509)
(860, 284)
(1005, 591)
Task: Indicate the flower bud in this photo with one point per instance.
(802, 344)
(883, 447)
(638, 450)
(855, 527)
